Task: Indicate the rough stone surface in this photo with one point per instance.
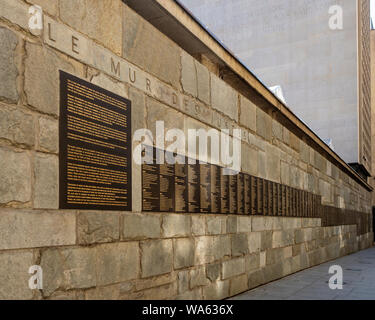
(188, 74)
(156, 257)
(159, 48)
(16, 126)
(68, 269)
(264, 124)
(141, 226)
(42, 75)
(215, 225)
(224, 98)
(183, 253)
(213, 271)
(247, 113)
(254, 239)
(48, 134)
(176, 225)
(198, 225)
(50, 6)
(8, 69)
(117, 262)
(198, 277)
(238, 285)
(233, 268)
(15, 176)
(203, 80)
(33, 228)
(96, 227)
(216, 291)
(240, 244)
(89, 17)
(14, 277)
(46, 185)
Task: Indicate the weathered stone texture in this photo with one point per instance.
(188, 74)
(247, 113)
(264, 124)
(156, 257)
(203, 81)
(14, 276)
(50, 6)
(48, 134)
(224, 98)
(16, 126)
(42, 76)
(15, 176)
(141, 226)
(46, 187)
(175, 225)
(137, 32)
(70, 268)
(33, 228)
(198, 277)
(8, 69)
(183, 253)
(90, 17)
(16, 12)
(233, 268)
(96, 227)
(117, 262)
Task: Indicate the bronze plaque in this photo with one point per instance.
(205, 187)
(260, 196)
(181, 183)
(240, 193)
(233, 193)
(150, 181)
(247, 194)
(224, 185)
(193, 188)
(95, 147)
(254, 195)
(215, 189)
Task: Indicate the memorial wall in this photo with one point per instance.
(75, 202)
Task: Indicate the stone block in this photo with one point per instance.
(273, 163)
(100, 21)
(203, 81)
(16, 126)
(213, 271)
(198, 277)
(221, 247)
(183, 281)
(14, 276)
(274, 256)
(204, 252)
(15, 176)
(254, 241)
(198, 225)
(136, 33)
(262, 223)
(8, 68)
(117, 262)
(190, 295)
(164, 292)
(224, 98)
(264, 124)
(142, 284)
(70, 268)
(46, 186)
(240, 245)
(188, 74)
(97, 227)
(247, 113)
(256, 278)
(244, 224)
(249, 160)
(183, 253)
(232, 268)
(282, 238)
(48, 135)
(284, 173)
(16, 12)
(215, 225)
(42, 84)
(265, 240)
(216, 291)
(156, 257)
(175, 225)
(252, 262)
(238, 285)
(141, 226)
(34, 228)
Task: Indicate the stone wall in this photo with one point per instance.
(122, 255)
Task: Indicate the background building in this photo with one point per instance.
(324, 74)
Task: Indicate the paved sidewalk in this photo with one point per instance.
(312, 284)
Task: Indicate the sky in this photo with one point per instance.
(373, 10)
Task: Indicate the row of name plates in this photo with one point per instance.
(207, 188)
